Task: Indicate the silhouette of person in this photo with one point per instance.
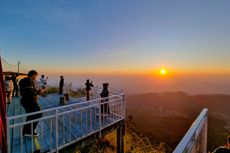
(43, 81)
(15, 82)
(224, 149)
(88, 85)
(9, 88)
(29, 101)
(61, 85)
(105, 93)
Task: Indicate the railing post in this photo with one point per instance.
(205, 134)
(124, 112)
(56, 125)
(99, 104)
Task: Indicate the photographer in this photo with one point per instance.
(29, 101)
(88, 85)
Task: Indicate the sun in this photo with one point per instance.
(163, 71)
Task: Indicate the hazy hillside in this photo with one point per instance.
(133, 143)
(156, 122)
(167, 116)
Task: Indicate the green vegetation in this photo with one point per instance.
(79, 92)
(52, 90)
(133, 143)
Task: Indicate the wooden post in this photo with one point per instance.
(120, 138)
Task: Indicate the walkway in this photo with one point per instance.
(61, 126)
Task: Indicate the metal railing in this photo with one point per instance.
(65, 125)
(195, 140)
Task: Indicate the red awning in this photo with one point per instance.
(3, 130)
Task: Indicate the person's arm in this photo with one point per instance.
(12, 86)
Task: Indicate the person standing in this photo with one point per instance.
(88, 85)
(29, 100)
(61, 85)
(224, 149)
(9, 88)
(15, 82)
(105, 93)
(66, 91)
(43, 81)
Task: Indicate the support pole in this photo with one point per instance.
(120, 138)
(19, 67)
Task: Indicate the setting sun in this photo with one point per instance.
(163, 71)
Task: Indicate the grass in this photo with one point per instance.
(133, 143)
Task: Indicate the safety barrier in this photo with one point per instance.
(195, 140)
(64, 125)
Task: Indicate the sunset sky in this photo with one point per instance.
(190, 40)
(116, 36)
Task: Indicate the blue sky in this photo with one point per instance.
(116, 35)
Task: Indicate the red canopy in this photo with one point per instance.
(3, 131)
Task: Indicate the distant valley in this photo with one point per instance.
(166, 117)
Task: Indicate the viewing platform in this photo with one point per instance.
(77, 122)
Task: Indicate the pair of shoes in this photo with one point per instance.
(35, 134)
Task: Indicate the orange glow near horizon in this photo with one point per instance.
(151, 71)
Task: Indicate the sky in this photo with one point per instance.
(117, 36)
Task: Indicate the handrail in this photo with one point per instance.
(62, 107)
(62, 113)
(192, 132)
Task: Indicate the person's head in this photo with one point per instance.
(42, 76)
(7, 78)
(61, 77)
(33, 74)
(105, 85)
(228, 142)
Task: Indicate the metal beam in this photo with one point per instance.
(120, 138)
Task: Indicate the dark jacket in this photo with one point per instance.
(221, 150)
(28, 91)
(14, 79)
(104, 94)
(88, 86)
(61, 83)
